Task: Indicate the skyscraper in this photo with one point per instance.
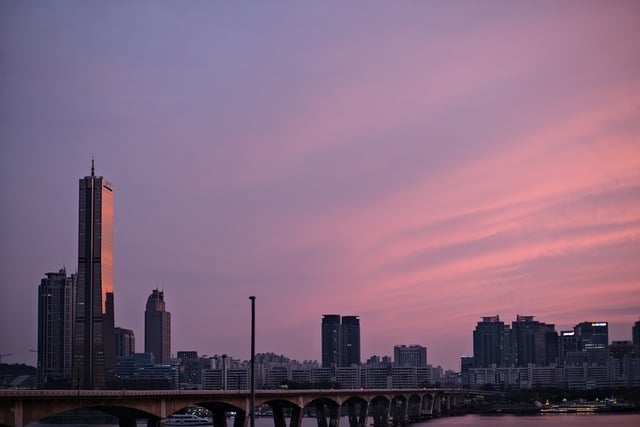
(94, 341)
(533, 342)
(350, 341)
(492, 343)
(340, 340)
(56, 308)
(330, 340)
(157, 328)
(593, 341)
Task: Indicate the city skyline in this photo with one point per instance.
(421, 166)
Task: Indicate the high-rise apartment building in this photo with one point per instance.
(94, 338)
(125, 342)
(56, 308)
(593, 341)
(157, 328)
(492, 343)
(569, 354)
(330, 340)
(534, 343)
(409, 356)
(350, 341)
(340, 340)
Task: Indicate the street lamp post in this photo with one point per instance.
(252, 402)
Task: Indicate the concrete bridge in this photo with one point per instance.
(386, 407)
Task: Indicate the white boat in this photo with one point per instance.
(187, 420)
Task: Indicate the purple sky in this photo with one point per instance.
(420, 165)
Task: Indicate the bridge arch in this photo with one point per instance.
(379, 410)
(20, 407)
(125, 414)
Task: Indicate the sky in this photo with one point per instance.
(418, 164)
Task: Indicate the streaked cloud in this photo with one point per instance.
(420, 166)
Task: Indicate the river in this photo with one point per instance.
(548, 420)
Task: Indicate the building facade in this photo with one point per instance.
(125, 342)
(56, 308)
(350, 341)
(157, 328)
(593, 341)
(533, 342)
(330, 340)
(94, 337)
(340, 341)
(492, 343)
(410, 356)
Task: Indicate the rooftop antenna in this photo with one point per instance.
(92, 169)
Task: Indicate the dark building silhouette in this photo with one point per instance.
(330, 340)
(94, 337)
(569, 354)
(191, 368)
(125, 342)
(414, 356)
(624, 360)
(635, 333)
(350, 341)
(340, 340)
(157, 328)
(534, 342)
(492, 343)
(466, 364)
(56, 308)
(593, 341)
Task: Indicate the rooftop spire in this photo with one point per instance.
(92, 169)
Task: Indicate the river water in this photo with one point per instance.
(541, 420)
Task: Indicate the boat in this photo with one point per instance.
(583, 407)
(187, 420)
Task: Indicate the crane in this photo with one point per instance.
(5, 354)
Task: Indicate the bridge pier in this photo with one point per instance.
(357, 413)
(127, 421)
(437, 405)
(154, 422)
(240, 420)
(17, 414)
(279, 419)
(414, 408)
(219, 419)
(398, 411)
(331, 409)
(380, 412)
(219, 416)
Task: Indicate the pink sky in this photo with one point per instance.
(420, 165)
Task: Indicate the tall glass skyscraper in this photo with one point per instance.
(94, 340)
(491, 343)
(330, 340)
(157, 328)
(56, 308)
(340, 340)
(350, 341)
